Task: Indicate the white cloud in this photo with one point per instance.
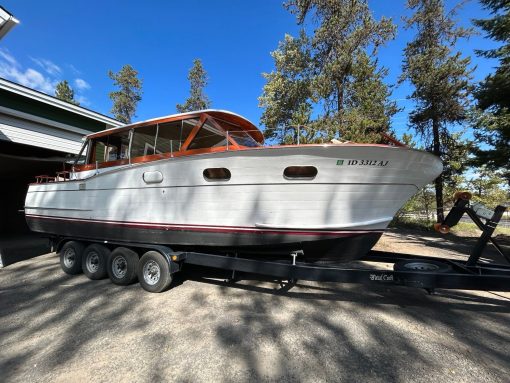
(48, 66)
(73, 69)
(44, 81)
(7, 57)
(81, 84)
(11, 70)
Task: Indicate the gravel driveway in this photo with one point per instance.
(58, 328)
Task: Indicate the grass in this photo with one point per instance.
(412, 223)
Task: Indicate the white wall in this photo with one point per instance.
(39, 132)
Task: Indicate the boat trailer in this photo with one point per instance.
(424, 272)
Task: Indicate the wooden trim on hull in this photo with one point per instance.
(348, 244)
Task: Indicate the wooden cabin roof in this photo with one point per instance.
(221, 115)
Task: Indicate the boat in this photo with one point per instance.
(205, 181)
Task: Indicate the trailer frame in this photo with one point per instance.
(410, 270)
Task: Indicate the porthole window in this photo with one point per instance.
(217, 174)
(300, 172)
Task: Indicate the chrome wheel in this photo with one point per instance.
(92, 262)
(69, 257)
(151, 273)
(119, 267)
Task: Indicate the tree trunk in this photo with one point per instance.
(439, 180)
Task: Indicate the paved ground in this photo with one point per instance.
(57, 328)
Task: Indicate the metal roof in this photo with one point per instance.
(7, 22)
(55, 102)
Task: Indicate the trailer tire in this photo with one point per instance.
(70, 257)
(154, 272)
(424, 266)
(94, 261)
(122, 265)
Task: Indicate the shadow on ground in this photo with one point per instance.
(54, 327)
(432, 243)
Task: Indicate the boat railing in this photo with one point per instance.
(43, 179)
(61, 176)
(321, 135)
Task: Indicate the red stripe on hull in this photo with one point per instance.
(317, 245)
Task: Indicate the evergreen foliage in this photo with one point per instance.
(64, 92)
(197, 100)
(129, 94)
(329, 81)
(492, 117)
(487, 187)
(441, 81)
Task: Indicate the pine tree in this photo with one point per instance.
(65, 93)
(330, 74)
(367, 106)
(286, 96)
(492, 119)
(197, 100)
(441, 81)
(129, 94)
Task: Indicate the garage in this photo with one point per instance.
(38, 133)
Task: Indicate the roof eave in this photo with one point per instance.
(53, 101)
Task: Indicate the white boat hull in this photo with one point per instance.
(352, 199)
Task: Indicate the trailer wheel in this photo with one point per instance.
(154, 272)
(121, 266)
(70, 257)
(94, 261)
(424, 266)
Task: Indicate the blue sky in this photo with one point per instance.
(81, 41)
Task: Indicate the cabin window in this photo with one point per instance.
(171, 135)
(117, 147)
(108, 148)
(300, 172)
(144, 141)
(217, 174)
(208, 137)
(98, 151)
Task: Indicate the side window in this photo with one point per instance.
(117, 146)
(110, 148)
(97, 154)
(217, 174)
(171, 135)
(144, 141)
(300, 172)
(208, 137)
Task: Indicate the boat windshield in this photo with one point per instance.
(209, 136)
(81, 158)
(242, 137)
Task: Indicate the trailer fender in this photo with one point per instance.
(171, 257)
